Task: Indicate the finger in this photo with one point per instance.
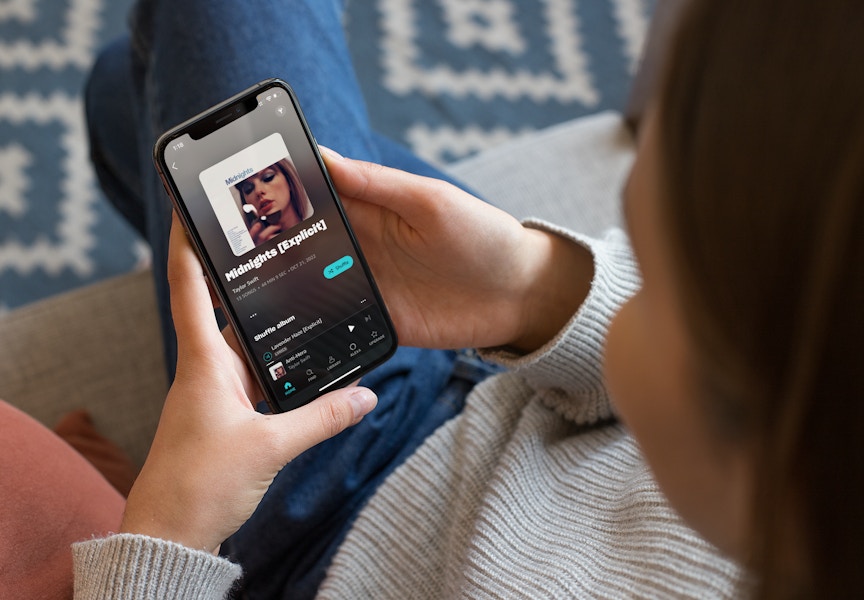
(311, 424)
(405, 193)
(269, 233)
(250, 385)
(255, 232)
(260, 232)
(328, 153)
(191, 304)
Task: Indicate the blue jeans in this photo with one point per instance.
(181, 58)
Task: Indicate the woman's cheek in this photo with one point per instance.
(619, 359)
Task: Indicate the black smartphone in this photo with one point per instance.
(249, 185)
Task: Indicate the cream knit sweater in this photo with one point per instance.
(534, 491)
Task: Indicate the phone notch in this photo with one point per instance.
(205, 126)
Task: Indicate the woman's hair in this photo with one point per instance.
(299, 200)
(761, 142)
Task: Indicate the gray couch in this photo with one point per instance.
(98, 347)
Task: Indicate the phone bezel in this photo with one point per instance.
(211, 120)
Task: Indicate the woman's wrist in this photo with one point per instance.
(150, 517)
(558, 275)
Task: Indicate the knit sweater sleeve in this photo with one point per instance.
(570, 365)
(127, 566)
(517, 498)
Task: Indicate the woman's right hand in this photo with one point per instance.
(454, 270)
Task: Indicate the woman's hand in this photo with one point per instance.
(213, 456)
(456, 272)
(261, 231)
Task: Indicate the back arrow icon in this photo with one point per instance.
(174, 166)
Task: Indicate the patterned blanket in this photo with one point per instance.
(446, 77)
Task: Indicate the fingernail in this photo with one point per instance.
(331, 153)
(362, 402)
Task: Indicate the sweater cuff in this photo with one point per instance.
(137, 566)
(569, 368)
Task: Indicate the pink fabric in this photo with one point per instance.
(50, 496)
(77, 430)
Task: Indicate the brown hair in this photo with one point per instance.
(761, 138)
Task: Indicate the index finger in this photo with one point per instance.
(387, 187)
(191, 303)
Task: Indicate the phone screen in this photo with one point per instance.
(254, 195)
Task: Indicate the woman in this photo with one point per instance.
(273, 201)
(735, 365)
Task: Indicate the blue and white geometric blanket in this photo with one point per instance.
(446, 77)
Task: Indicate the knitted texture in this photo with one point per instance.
(535, 490)
(137, 567)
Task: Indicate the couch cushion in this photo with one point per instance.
(98, 348)
(50, 497)
(569, 174)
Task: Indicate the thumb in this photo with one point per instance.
(327, 416)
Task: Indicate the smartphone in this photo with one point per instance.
(249, 185)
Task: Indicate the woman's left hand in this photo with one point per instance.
(214, 456)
